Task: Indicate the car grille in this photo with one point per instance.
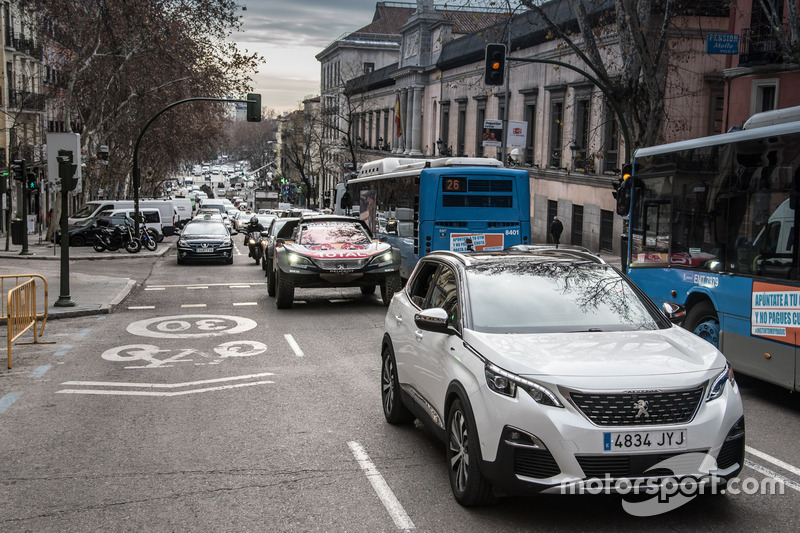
(670, 407)
(630, 466)
(535, 463)
(341, 264)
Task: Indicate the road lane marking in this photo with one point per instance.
(155, 288)
(193, 287)
(165, 385)
(134, 307)
(387, 497)
(7, 400)
(239, 286)
(193, 305)
(777, 462)
(154, 393)
(39, 372)
(63, 350)
(185, 286)
(293, 344)
(244, 303)
(774, 475)
(84, 332)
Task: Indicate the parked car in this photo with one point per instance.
(205, 239)
(333, 251)
(546, 369)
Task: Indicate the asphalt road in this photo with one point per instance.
(199, 406)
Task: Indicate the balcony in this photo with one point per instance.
(25, 100)
(759, 46)
(24, 45)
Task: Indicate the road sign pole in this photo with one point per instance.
(65, 174)
(26, 198)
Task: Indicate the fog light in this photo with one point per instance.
(520, 439)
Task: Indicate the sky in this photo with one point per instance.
(288, 34)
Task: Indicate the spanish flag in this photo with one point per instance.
(397, 120)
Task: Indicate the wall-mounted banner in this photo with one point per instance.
(775, 312)
(517, 133)
(492, 133)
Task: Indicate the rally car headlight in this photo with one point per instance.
(297, 260)
(718, 385)
(506, 383)
(382, 259)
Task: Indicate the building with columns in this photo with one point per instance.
(572, 149)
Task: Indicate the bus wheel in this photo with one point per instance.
(702, 320)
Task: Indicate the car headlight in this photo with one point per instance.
(226, 241)
(382, 259)
(182, 242)
(718, 385)
(297, 259)
(506, 383)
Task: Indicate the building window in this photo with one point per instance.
(717, 112)
(530, 118)
(610, 141)
(444, 133)
(480, 116)
(369, 68)
(606, 230)
(462, 126)
(552, 211)
(577, 225)
(582, 114)
(556, 131)
(764, 96)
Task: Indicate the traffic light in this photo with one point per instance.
(622, 190)
(17, 169)
(30, 181)
(495, 64)
(253, 107)
(66, 170)
(4, 174)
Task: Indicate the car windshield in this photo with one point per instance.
(85, 211)
(204, 228)
(329, 233)
(554, 296)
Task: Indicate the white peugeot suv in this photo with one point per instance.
(543, 370)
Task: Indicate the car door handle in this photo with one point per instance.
(399, 319)
(418, 334)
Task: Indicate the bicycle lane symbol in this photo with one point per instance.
(147, 353)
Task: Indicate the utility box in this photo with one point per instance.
(17, 231)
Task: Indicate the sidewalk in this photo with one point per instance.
(92, 294)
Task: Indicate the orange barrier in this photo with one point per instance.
(19, 308)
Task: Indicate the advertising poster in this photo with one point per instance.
(492, 133)
(775, 312)
(517, 133)
(481, 242)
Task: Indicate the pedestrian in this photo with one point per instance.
(555, 230)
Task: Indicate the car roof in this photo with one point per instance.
(314, 218)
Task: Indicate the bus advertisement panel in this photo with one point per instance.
(713, 228)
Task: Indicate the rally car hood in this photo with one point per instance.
(338, 250)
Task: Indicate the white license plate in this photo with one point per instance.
(638, 441)
(204, 250)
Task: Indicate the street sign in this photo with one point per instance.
(722, 43)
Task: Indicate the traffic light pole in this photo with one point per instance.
(252, 100)
(66, 172)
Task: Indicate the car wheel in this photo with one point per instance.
(285, 290)
(229, 261)
(469, 486)
(369, 289)
(181, 261)
(77, 240)
(393, 408)
(702, 320)
(157, 235)
(271, 290)
(390, 285)
(263, 263)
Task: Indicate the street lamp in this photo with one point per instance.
(574, 149)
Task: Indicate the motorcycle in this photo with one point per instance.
(253, 239)
(114, 238)
(147, 236)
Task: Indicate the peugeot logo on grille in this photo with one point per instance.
(642, 406)
(204, 245)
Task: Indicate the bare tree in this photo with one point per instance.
(786, 31)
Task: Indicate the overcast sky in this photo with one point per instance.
(288, 34)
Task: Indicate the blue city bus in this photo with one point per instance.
(713, 228)
(457, 203)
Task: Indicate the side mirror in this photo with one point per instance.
(391, 227)
(280, 241)
(434, 319)
(674, 312)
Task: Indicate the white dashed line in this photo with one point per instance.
(239, 286)
(293, 343)
(142, 307)
(244, 303)
(155, 288)
(193, 287)
(777, 462)
(774, 475)
(193, 305)
(387, 497)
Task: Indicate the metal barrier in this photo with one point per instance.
(19, 308)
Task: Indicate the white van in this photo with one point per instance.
(92, 208)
